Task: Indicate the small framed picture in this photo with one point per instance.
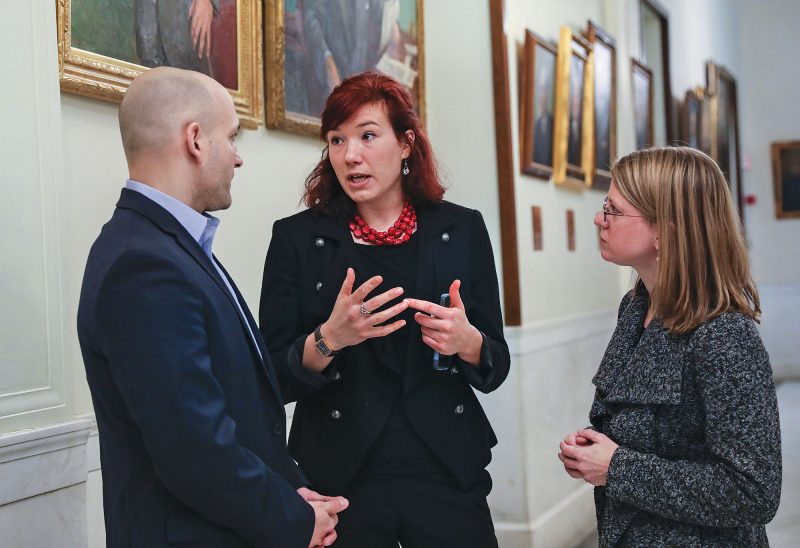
(573, 134)
(538, 99)
(690, 119)
(786, 178)
(604, 56)
(642, 80)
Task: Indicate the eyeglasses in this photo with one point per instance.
(614, 212)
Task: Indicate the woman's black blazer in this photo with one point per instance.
(341, 412)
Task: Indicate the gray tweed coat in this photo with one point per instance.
(696, 420)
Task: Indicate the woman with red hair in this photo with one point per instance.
(381, 310)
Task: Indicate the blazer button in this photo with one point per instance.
(337, 376)
(454, 370)
(445, 237)
(319, 242)
(459, 409)
(277, 429)
(319, 284)
(336, 414)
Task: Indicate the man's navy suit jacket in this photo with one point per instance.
(191, 420)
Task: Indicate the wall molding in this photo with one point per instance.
(42, 460)
(538, 336)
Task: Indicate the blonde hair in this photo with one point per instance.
(703, 266)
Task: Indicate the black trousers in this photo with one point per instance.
(429, 511)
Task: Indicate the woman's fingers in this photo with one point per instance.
(347, 284)
(379, 300)
(428, 307)
(385, 315)
(365, 289)
(432, 322)
(384, 330)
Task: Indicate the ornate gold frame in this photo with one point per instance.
(601, 178)
(565, 174)
(86, 73)
(274, 53)
(527, 109)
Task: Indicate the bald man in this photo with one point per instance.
(188, 407)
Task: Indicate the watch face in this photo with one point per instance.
(322, 348)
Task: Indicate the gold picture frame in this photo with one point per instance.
(537, 75)
(295, 59)
(604, 105)
(573, 150)
(92, 74)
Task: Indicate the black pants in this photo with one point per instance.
(418, 511)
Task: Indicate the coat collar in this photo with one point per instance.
(641, 366)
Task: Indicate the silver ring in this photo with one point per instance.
(363, 310)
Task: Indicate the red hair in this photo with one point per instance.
(323, 192)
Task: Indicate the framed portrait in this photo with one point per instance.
(312, 45)
(786, 178)
(704, 123)
(690, 119)
(725, 128)
(104, 44)
(538, 98)
(604, 53)
(642, 80)
(573, 127)
(654, 36)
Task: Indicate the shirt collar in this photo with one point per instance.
(200, 226)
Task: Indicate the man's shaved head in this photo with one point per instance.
(160, 103)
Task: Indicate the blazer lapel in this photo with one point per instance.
(256, 339)
(436, 263)
(338, 250)
(134, 201)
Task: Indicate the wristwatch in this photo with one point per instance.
(321, 346)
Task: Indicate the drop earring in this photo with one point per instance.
(405, 169)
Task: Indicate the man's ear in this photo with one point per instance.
(192, 140)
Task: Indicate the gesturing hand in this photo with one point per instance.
(201, 13)
(586, 455)
(447, 330)
(349, 325)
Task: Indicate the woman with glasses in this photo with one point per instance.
(684, 447)
(381, 311)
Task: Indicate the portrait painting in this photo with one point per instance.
(104, 44)
(573, 126)
(605, 104)
(704, 128)
(538, 99)
(690, 120)
(786, 178)
(312, 45)
(725, 128)
(642, 104)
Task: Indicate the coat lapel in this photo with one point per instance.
(641, 366)
(134, 201)
(437, 264)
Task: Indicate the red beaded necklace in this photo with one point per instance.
(398, 234)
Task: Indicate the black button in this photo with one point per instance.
(277, 429)
(336, 414)
(337, 376)
(459, 409)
